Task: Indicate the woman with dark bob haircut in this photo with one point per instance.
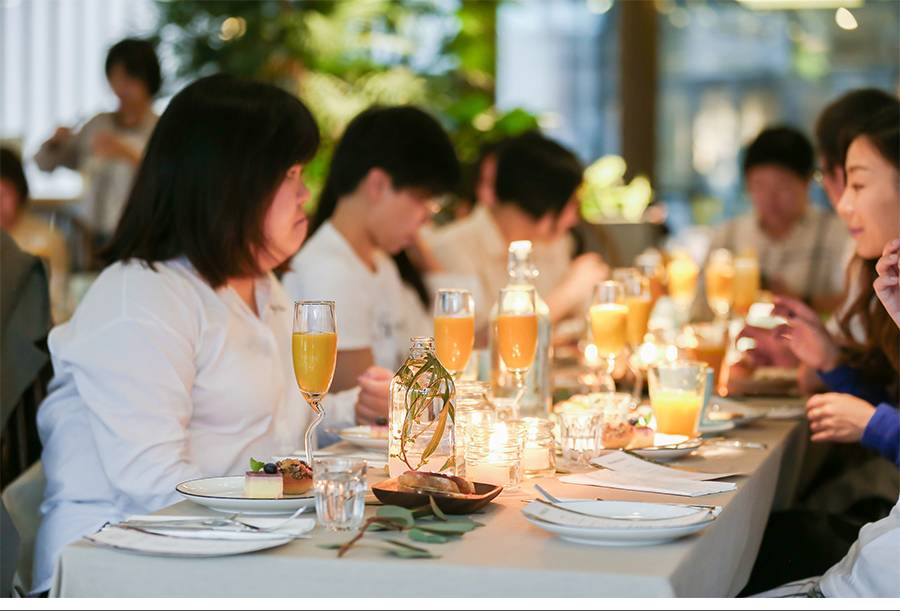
(177, 365)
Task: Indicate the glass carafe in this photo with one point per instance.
(422, 416)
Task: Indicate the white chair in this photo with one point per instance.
(22, 499)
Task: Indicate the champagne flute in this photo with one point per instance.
(682, 273)
(609, 325)
(639, 300)
(720, 278)
(517, 330)
(454, 328)
(746, 282)
(314, 348)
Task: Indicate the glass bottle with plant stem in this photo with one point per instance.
(537, 397)
(421, 426)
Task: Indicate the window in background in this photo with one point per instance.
(53, 75)
(726, 71)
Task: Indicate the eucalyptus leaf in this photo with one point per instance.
(448, 527)
(409, 553)
(399, 514)
(330, 545)
(422, 536)
(435, 509)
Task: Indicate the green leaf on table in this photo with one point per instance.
(256, 465)
(330, 545)
(453, 526)
(399, 515)
(435, 509)
(409, 553)
(422, 536)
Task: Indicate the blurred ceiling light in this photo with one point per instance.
(679, 17)
(232, 28)
(599, 6)
(845, 19)
(663, 6)
(795, 5)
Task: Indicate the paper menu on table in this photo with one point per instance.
(645, 483)
(622, 462)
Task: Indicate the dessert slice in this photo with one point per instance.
(297, 476)
(263, 485)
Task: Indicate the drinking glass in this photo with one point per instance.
(720, 277)
(454, 328)
(682, 273)
(517, 330)
(340, 487)
(746, 282)
(314, 348)
(609, 325)
(677, 390)
(579, 434)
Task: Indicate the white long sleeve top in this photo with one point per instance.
(159, 378)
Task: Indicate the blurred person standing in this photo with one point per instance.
(32, 233)
(108, 148)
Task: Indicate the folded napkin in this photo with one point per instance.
(156, 524)
(557, 515)
(163, 545)
(621, 461)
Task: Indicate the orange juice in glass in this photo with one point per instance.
(719, 277)
(454, 328)
(639, 300)
(609, 325)
(677, 391)
(682, 272)
(314, 356)
(517, 330)
(746, 282)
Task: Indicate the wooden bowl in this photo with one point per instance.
(389, 492)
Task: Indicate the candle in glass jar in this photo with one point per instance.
(493, 474)
(535, 458)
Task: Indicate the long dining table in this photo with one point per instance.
(506, 557)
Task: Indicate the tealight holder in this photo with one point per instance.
(539, 452)
(494, 454)
(473, 412)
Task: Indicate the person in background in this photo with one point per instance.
(387, 173)
(802, 250)
(861, 374)
(108, 148)
(534, 198)
(177, 363)
(32, 233)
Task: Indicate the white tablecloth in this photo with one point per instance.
(507, 557)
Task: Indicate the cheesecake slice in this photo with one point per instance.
(263, 485)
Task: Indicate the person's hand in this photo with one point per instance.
(61, 135)
(887, 285)
(374, 396)
(770, 350)
(839, 418)
(585, 272)
(805, 334)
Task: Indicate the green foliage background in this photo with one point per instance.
(342, 56)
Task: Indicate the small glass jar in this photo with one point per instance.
(494, 454)
(539, 452)
(473, 411)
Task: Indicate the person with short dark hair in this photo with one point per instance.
(387, 173)
(177, 363)
(32, 233)
(533, 197)
(109, 146)
(802, 250)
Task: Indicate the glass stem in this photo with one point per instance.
(318, 416)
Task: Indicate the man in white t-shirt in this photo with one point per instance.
(386, 175)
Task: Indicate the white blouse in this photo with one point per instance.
(159, 379)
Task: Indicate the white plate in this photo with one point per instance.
(136, 541)
(665, 447)
(716, 426)
(720, 406)
(631, 533)
(361, 436)
(226, 494)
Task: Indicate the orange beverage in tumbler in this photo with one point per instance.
(314, 358)
(746, 283)
(517, 340)
(720, 285)
(609, 323)
(639, 308)
(682, 278)
(454, 338)
(677, 411)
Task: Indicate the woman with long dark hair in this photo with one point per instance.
(177, 365)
